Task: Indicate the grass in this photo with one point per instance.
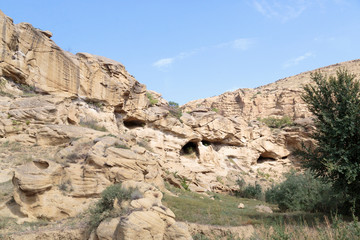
(273, 122)
(123, 146)
(198, 208)
(6, 189)
(221, 210)
(93, 125)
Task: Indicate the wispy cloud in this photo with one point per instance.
(283, 10)
(240, 44)
(165, 62)
(297, 60)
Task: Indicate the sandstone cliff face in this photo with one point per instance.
(282, 98)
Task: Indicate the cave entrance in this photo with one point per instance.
(265, 157)
(133, 123)
(190, 149)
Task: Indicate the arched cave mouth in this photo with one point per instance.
(265, 157)
(133, 123)
(189, 149)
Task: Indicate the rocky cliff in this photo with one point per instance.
(72, 125)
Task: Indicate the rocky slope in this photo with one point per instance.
(281, 98)
(99, 126)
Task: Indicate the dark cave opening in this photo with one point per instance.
(133, 123)
(190, 148)
(262, 159)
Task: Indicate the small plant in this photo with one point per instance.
(273, 122)
(215, 110)
(66, 186)
(93, 125)
(184, 183)
(145, 145)
(123, 146)
(152, 101)
(220, 180)
(200, 236)
(103, 208)
(95, 104)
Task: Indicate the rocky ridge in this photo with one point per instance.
(100, 126)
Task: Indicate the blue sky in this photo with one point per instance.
(193, 49)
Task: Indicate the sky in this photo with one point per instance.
(192, 49)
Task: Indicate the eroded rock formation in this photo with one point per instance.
(104, 127)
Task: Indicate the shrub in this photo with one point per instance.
(103, 208)
(248, 191)
(152, 101)
(301, 191)
(93, 125)
(174, 110)
(273, 122)
(173, 104)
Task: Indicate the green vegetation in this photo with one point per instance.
(248, 191)
(175, 110)
(152, 101)
(173, 104)
(199, 208)
(104, 208)
(95, 104)
(2, 86)
(123, 146)
(301, 192)
(93, 125)
(28, 91)
(273, 122)
(215, 110)
(336, 104)
(145, 144)
(6, 189)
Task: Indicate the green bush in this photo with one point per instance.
(301, 191)
(152, 101)
(273, 122)
(103, 208)
(173, 104)
(248, 191)
(174, 110)
(335, 103)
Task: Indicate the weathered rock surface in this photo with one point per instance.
(147, 219)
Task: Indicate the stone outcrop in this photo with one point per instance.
(281, 98)
(147, 218)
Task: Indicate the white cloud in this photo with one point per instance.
(162, 63)
(283, 10)
(241, 44)
(297, 60)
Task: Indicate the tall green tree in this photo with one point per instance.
(335, 103)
